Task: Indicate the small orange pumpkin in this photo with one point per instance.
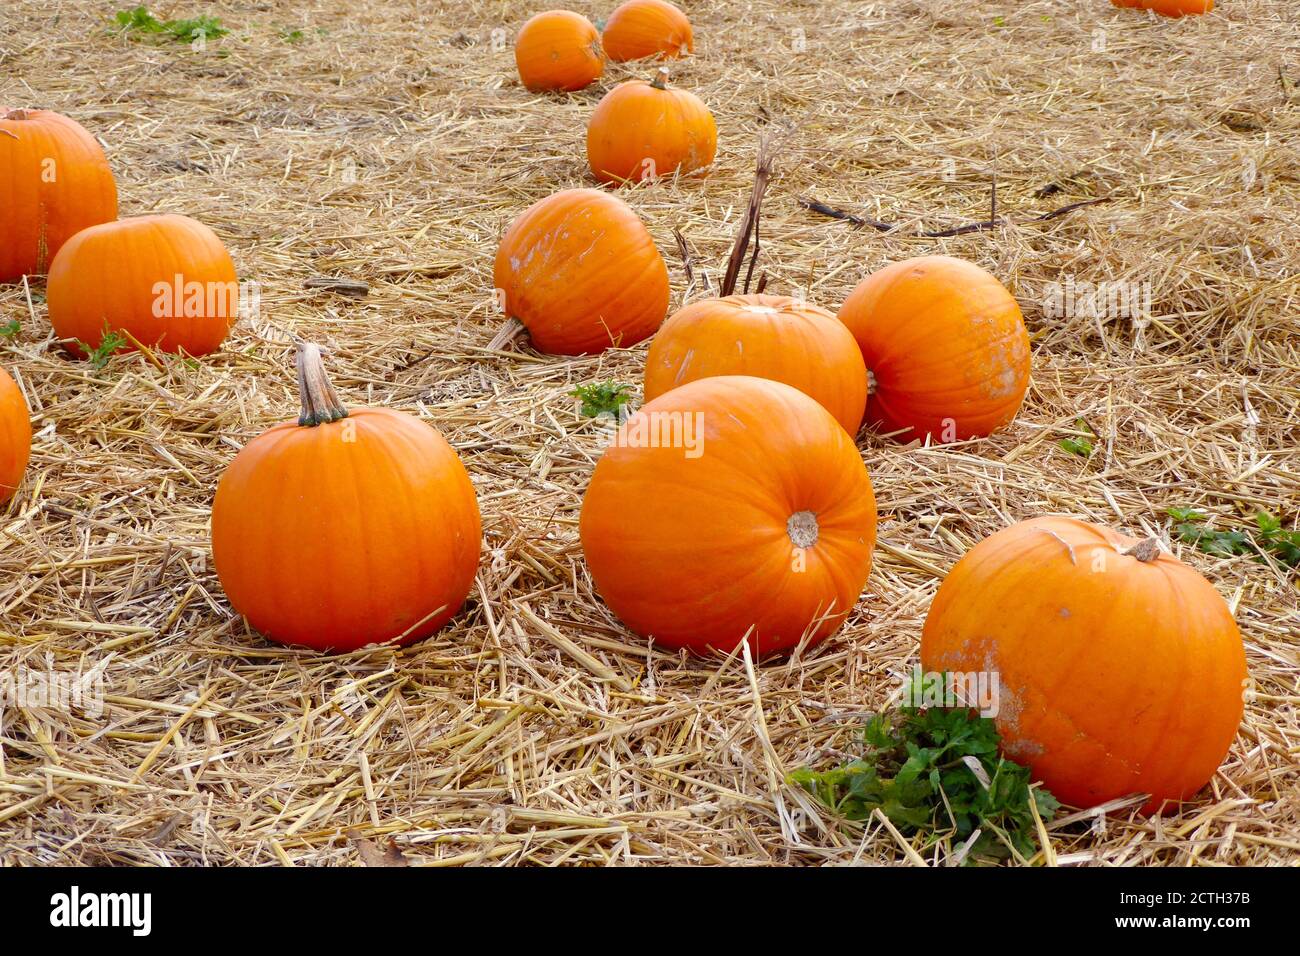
(1120, 669)
(1169, 8)
(54, 181)
(580, 271)
(558, 51)
(15, 436)
(641, 130)
(643, 28)
(345, 528)
(766, 336)
(731, 508)
(163, 281)
(945, 345)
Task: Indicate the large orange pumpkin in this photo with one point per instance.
(1169, 8)
(730, 507)
(641, 130)
(642, 28)
(766, 336)
(345, 528)
(945, 345)
(165, 281)
(580, 271)
(54, 181)
(15, 436)
(1120, 669)
(560, 51)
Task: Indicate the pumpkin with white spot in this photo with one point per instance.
(579, 270)
(1119, 669)
(945, 346)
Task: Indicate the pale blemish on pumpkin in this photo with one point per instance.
(1022, 750)
(1064, 612)
(686, 361)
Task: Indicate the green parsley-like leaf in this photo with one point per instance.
(602, 398)
(915, 772)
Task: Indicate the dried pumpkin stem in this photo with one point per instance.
(803, 529)
(510, 330)
(320, 403)
(18, 114)
(871, 383)
(1145, 551)
(660, 82)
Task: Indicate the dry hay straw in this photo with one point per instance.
(536, 729)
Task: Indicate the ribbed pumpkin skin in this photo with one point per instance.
(644, 28)
(639, 131)
(108, 274)
(15, 436)
(766, 336)
(558, 51)
(1116, 676)
(38, 216)
(581, 272)
(335, 544)
(694, 551)
(946, 344)
(1169, 8)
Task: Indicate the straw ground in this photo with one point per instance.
(390, 143)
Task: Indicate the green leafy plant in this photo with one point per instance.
(10, 329)
(1283, 545)
(291, 36)
(1081, 444)
(919, 770)
(602, 398)
(1268, 539)
(140, 20)
(111, 343)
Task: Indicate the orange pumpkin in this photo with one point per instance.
(581, 272)
(164, 281)
(15, 436)
(945, 345)
(1120, 669)
(1169, 8)
(642, 28)
(54, 181)
(766, 336)
(345, 528)
(730, 508)
(641, 130)
(558, 51)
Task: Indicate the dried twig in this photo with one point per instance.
(833, 213)
(768, 147)
(684, 252)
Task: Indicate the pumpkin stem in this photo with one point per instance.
(510, 330)
(660, 81)
(1145, 551)
(803, 529)
(18, 114)
(871, 383)
(320, 403)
